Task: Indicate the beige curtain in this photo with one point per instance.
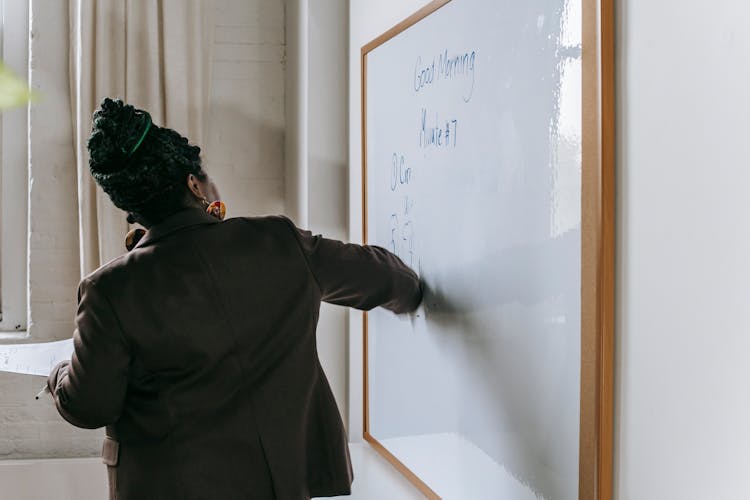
(154, 54)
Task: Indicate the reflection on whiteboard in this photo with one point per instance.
(473, 143)
(34, 359)
(461, 468)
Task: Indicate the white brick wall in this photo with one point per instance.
(245, 150)
(31, 428)
(245, 155)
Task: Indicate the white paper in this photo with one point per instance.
(34, 359)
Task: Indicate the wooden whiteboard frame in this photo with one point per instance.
(597, 249)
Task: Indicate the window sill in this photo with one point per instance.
(14, 335)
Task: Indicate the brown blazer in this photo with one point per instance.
(197, 351)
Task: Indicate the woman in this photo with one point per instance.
(197, 348)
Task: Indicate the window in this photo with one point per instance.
(14, 47)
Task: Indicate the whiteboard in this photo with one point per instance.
(473, 167)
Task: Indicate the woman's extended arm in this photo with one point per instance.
(360, 276)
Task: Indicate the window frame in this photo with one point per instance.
(14, 178)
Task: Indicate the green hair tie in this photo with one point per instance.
(143, 136)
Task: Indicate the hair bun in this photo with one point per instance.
(142, 167)
(117, 129)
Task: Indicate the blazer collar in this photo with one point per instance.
(180, 220)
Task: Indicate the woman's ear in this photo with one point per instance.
(194, 187)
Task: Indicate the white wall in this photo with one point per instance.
(296, 104)
(683, 281)
(245, 149)
(316, 150)
(86, 479)
(30, 428)
(327, 166)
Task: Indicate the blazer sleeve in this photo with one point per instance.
(359, 276)
(89, 390)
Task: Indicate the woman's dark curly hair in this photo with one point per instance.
(142, 167)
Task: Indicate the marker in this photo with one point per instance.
(41, 393)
